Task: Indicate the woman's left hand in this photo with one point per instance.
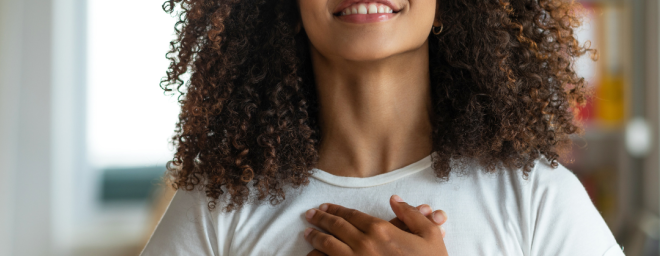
(355, 233)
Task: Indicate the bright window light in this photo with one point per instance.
(129, 119)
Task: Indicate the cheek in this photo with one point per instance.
(422, 15)
(313, 14)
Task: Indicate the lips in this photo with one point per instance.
(365, 7)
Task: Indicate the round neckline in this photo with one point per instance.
(380, 179)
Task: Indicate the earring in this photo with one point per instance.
(437, 32)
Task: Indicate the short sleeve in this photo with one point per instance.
(187, 228)
(564, 220)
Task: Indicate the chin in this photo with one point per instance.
(368, 52)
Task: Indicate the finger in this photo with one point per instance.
(416, 222)
(438, 217)
(335, 225)
(399, 224)
(360, 220)
(424, 209)
(316, 252)
(325, 243)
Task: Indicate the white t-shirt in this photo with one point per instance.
(549, 213)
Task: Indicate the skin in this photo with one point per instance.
(373, 83)
(370, 77)
(352, 232)
(438, 217)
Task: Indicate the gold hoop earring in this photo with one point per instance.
(438, 32)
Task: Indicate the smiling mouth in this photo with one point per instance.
(365, 8)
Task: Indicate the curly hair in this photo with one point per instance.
(504, 91)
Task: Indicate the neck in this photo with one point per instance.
(374, 115)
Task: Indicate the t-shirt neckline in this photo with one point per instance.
(380, 179)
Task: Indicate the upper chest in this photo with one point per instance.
(480, 221)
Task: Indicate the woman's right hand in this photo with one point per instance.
(438, 217)
(351, 232)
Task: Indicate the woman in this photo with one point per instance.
(301, 120)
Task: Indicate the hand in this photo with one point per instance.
(355, 233)
(438, 217)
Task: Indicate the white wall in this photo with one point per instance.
(32, 216)
(28, 123)
(10, 70)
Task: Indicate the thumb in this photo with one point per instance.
(415, 220)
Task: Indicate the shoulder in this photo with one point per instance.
(547, 180)
(543, 171)
(558, 188)
(542, 179)
(563, 219)
(188, 204)
(556, 191)
(188, 227)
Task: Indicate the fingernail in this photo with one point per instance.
(323, 207)
(437, 217)
(397, 198)
(310, 213)
(442, 231)
(307, 231)
(425, 210)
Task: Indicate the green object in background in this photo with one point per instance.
(135, 184)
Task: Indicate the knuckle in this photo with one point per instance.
(313, 235)
(365, 244)
(332, 209)
(319, 217)
(352, 213)
(325, 242)
(336, 223)
(434, 231)
(377, 227)
(323, 219)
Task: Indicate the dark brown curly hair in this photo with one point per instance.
(502, 82)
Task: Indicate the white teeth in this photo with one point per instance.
(362, 9)
(373, 8)
(366, 8)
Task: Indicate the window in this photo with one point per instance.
(129, 119)
(129, 122)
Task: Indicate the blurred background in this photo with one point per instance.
(85, 127)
